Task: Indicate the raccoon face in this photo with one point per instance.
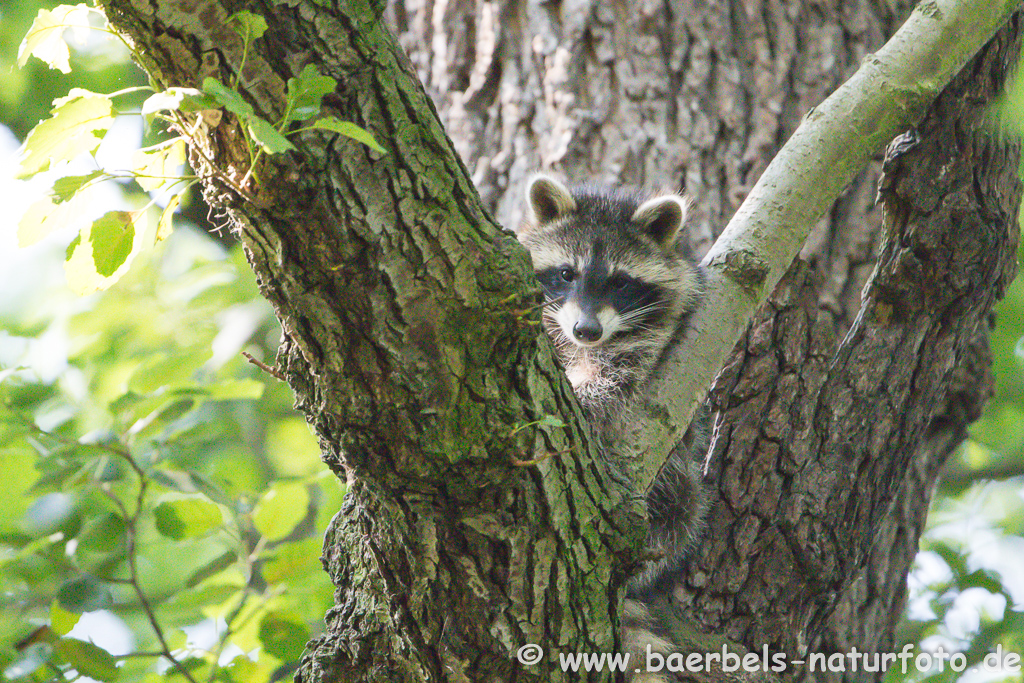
(595, 300)
(608, 262)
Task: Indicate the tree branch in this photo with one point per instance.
(886, 96)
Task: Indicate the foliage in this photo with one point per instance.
(156, 477)
(105, 246)
(966, 593)
(160, 477)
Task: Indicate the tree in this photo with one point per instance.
(413, 350)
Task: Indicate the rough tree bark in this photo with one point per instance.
(842, 403)
(414, 351)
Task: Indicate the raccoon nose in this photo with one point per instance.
(587, 329)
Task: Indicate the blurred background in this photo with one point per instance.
(165, 505)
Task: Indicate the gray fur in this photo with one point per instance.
(633, 235)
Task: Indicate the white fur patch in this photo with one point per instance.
(570, 313)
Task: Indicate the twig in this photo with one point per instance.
(274, 372)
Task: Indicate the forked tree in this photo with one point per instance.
(481, 514)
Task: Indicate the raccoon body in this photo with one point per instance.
(619, 287)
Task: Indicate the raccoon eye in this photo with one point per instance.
(618, 282)
(567, 274)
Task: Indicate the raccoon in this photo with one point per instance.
(619, 287)
(617, 284)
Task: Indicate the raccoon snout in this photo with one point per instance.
(587, 329)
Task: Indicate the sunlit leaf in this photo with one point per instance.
(173, 99)
(187, 605)
(212, 568)
(268, 137)
(292, 560)
(281, 509)
(115, 235)
(78, 125)
(187, 517)
(165, 226)
(306, 91)
(83, 594)
(174, 370)
(292, 448)
(66, 187)
(155, 166)
(48, 214)
(209, 489)
(45, 39)
(88, 659)
(61, 620)
(347, 129)
(174, 480)
(190, 482)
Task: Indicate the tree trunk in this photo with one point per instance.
(827, 451)
(411, 341)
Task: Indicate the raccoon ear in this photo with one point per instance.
(548, 198)
(661, 217)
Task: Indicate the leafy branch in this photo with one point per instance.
(105, 246)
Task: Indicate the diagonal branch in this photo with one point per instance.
(886, 96)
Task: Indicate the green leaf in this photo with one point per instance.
(174, 480)
(88, 659)
(348, 129)
(103, 251)
(155, 166)
(45, 38)
(187, 517)
(173, 370)
(187, 606)
(283, 636)
(190, 482)
(61, 620)
(173, 99)
(65, 188)
(280, 510)
(83, 594)
(306, 92)
(248, 25)
(78, 124)
(112, 237)
(70, 251)
(551, 421)
(268, 137)
(228, 98)
(103, 534)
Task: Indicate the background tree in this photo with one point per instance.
(793, 368)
